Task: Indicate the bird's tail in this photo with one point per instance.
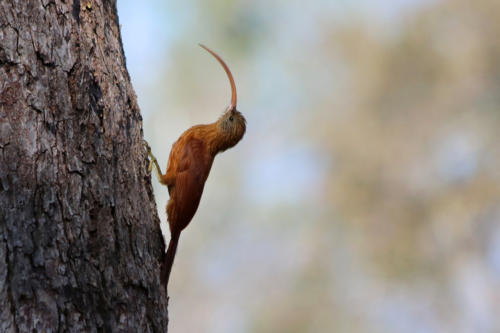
(168, 259)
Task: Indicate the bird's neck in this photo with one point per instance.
(217, 140)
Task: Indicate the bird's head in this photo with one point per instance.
(231, 125)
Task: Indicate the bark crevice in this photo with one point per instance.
(80, 242)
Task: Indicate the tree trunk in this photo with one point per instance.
(80, 240)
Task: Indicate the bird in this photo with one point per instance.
(189, 165)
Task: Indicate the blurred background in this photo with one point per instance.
(365, 195)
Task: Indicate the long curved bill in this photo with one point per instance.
(229, 75)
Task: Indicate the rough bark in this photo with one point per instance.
(80, 241)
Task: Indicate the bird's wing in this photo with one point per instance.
(192, 172)
(193, 157)
(193, 167)
(185, 152)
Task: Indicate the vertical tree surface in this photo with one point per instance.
(80, 241)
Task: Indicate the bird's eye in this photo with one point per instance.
(231, 118)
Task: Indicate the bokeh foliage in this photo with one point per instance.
(365, 196)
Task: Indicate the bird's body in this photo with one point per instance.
(189, 165)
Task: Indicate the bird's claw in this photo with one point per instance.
(151, 157)
(152, 160)
(146, 145)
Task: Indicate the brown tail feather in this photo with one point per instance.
(168, 259)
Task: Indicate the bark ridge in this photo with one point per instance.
(80, 241)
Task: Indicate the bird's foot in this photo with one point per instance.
(151, 157)
(153, 162)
